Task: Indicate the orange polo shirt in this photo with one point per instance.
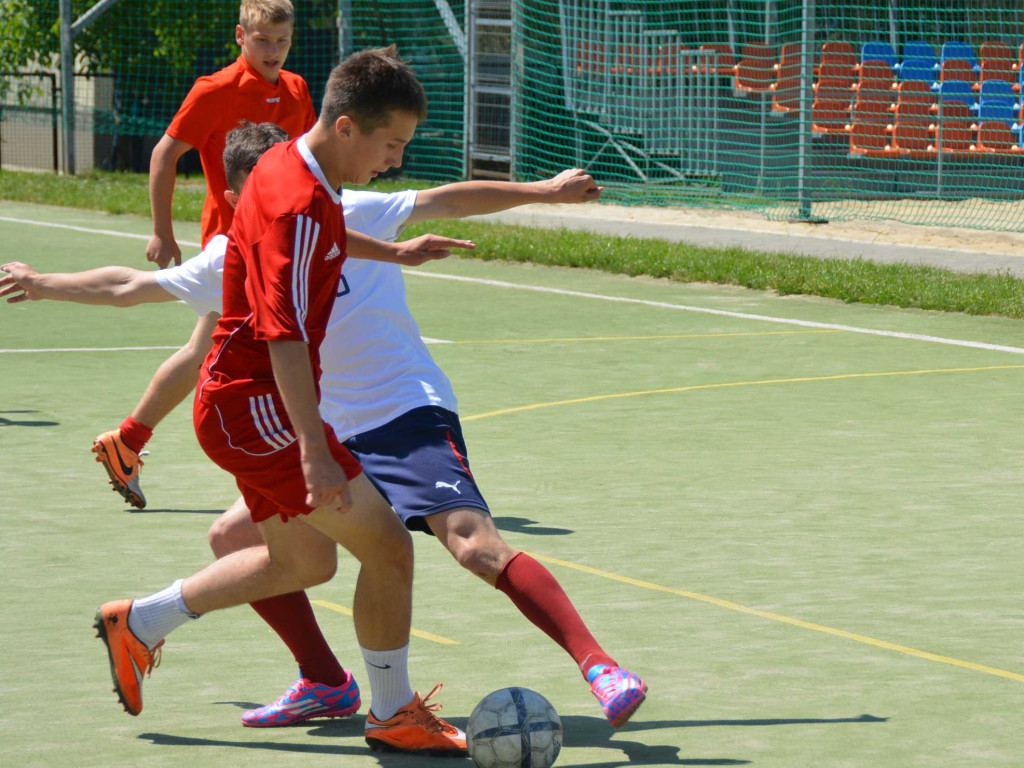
(215, 106)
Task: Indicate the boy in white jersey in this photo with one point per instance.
(385, 405)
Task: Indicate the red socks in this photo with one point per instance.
(291, 617)
(541, 599)
(135, 434)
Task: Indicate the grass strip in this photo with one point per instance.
(849, 280)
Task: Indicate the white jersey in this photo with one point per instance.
(375, 365)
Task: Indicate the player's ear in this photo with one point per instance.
(343, 126)
(231, 197)
(239, 35)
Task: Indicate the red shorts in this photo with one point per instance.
(248, 434)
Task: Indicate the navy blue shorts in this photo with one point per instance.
(419, 463)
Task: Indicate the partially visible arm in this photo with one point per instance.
(111, 286)
(408, 253)
(473, 198)
(163, 164)
(326, 483)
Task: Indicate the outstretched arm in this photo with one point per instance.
(472, 198)
(111, 286)
(408, 253)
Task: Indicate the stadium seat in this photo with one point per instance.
(868, 140)
(755, 69)
(995, 137)
(922, 70)
(956, 90)
(958, 50)
(954, 136)
(997, 69)
(996, 51)
(836, 72)
(875, 70)
(878, 50)
(914, 92)
(952, 110)
(726, 58)
(875, 92)
(918, 49)
(786, 88)
(910, 138)
(996, 111)
(957, 69)
(830, 116)
(838, 54)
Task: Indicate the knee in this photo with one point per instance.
(316, 568)
(232, 531)
(482, 554)
(396, 552)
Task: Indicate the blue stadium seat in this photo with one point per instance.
(996, 89)
(878, 50)
(991, 111)
(957, 90)
(918, 69)
(958, 49)
(918, 49)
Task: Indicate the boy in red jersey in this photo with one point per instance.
(256, 411)
(253, 88)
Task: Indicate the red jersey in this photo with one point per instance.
(281, 271)
(215, 106)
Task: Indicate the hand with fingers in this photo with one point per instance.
(20, 283)
(326, 484)
(420, 250)
(163, 250)
(572, 186)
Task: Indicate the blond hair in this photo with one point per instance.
(253, 12)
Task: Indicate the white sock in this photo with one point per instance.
(389, 680)
(152, 618)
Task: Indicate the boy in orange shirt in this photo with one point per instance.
(254, 88)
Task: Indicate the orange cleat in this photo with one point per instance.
(129, 657)
(417, 730)
(122, 465)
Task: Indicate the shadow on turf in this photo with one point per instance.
(528, 526)
(5, 422)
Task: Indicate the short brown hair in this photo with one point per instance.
(368, 86)
(253, 12)
(244, 146)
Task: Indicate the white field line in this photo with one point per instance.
(86, 349)
(620, 299)
(725, 313)
(108, 232)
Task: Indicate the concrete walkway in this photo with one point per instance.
(627, 224)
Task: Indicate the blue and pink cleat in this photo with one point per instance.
(619, 691)
(306, 700)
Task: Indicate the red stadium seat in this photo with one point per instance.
(754, 71)
(726, 58)
(995, 137)
(957, 69)
(869, 139)
(910, 138)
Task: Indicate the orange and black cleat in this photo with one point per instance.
(122, 464)
(417, 730)
(130, 659)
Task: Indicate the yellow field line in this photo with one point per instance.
(414, 632)
(784, 619)
(645, 338)
(727, 384)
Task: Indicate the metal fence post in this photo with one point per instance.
(67, 85)
(806, 104)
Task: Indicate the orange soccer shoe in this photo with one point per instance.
(122, 465)
(417, 730)
(129, 657)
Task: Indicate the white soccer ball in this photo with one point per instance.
(514, 728)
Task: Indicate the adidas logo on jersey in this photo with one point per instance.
(334, 253)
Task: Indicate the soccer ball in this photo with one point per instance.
(514, 728)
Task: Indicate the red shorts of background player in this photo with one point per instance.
(248, 434)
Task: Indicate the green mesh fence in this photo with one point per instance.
(423, 39)
(907, 111)
(895, 109)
